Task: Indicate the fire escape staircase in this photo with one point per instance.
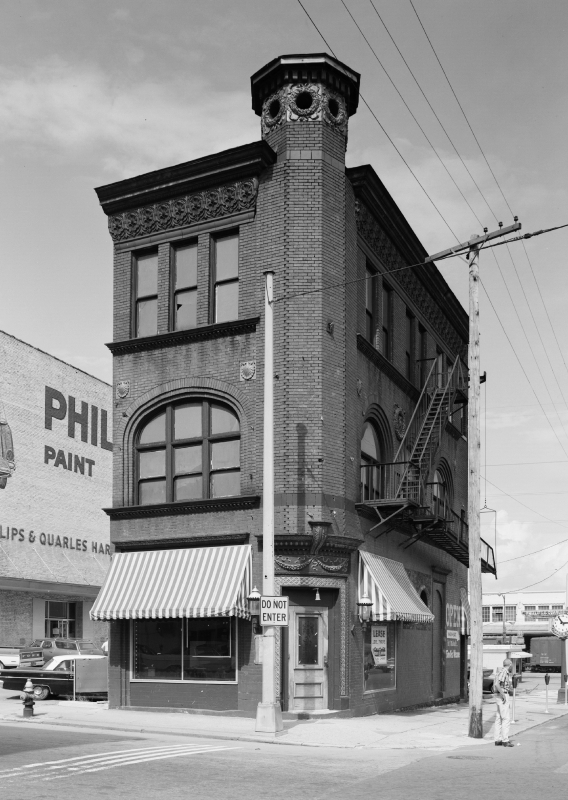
(400, 493)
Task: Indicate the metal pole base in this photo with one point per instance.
(28, 712)
(562, 698)
(269, 718)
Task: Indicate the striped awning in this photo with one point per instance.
(387, 584)
(202, 582)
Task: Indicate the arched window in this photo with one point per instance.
(441, 494)
(371, 473)
(187, 451)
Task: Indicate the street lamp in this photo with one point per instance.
(365, 605)
(254, 607)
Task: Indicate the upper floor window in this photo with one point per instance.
(145, 321)
(184, 287)
(187, 451)
(226, 278)
(486, 614)
(370, 304)
(423, 347)
(387, 322)
(410, 346)
(372, 478)
(441, 498)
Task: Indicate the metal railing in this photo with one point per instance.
(381, 482)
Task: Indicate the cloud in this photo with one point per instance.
(130, 126)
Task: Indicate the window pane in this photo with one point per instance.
(157, 649)
(379, 658)
(369, 287)
(226, 484)
(151, 492)
(186, 266)
(152, 463)
(308, 640)
(155, 430)
(188, 459)
(190, 488)
(225, 454)
(209, 653)
(223, 420)
(226, 258)
(187, 421)
(146, 317)
(369, 442)
(57, 610)
(227, 301)
(369, 332)
(186, 310)
(147, 275)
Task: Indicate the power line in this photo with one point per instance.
(462, 110)
(552, 574)
(434, 112)
(534, 511)
(522, 367)
(534, 552)
(382, 127)
(373, 51)
(526, 463)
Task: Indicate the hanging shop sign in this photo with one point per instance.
(274, 611)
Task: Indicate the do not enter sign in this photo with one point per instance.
(274, 611)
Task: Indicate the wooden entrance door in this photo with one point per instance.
(308, 658)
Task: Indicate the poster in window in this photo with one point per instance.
(379, 644)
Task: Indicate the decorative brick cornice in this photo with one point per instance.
(216, 331)
(189, 507)
(178, 542)
(210, 204)
(386, 252)
(385, 366)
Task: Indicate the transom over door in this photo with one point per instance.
(308, 659)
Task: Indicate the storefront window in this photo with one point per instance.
(197, 649)
(379, 664)
(60, 619)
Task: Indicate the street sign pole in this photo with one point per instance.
(269, 713)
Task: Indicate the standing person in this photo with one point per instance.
(501, 686)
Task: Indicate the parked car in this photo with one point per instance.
(488, 677)
(57, 646)
(54, 678)
(9, 657)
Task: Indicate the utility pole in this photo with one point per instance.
(269, 713)
(473, 485)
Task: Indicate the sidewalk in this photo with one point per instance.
(435, 729)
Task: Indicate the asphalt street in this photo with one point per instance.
(42, 762)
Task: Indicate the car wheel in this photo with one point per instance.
(1, 665)
(41, 692)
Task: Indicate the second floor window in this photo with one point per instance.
(185, 287)
(370, 295)
(387, 322)
(226, 278)
(146, 294)
(410, 347)
(188, 451)
(372, 478)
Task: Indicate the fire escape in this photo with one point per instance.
(406, 493)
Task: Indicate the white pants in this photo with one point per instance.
(502, 719)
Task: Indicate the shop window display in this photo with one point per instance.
(379, 663)
(185, 649)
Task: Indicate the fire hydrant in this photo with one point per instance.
(28, 698)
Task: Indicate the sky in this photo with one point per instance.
(93, 92)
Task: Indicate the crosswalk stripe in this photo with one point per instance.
(79, 771)
(116, 758)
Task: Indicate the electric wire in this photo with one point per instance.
(461, 109)
(373, 51)
(522, 367)
(434, 112)
(528, 341)
(363, 100)
(534, 552)
(552, 574)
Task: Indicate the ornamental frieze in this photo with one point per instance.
(384, 249)
(210, 204)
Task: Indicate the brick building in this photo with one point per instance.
(55, 477)
(370, 455)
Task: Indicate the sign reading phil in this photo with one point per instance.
(274, 611)
(55, 468)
